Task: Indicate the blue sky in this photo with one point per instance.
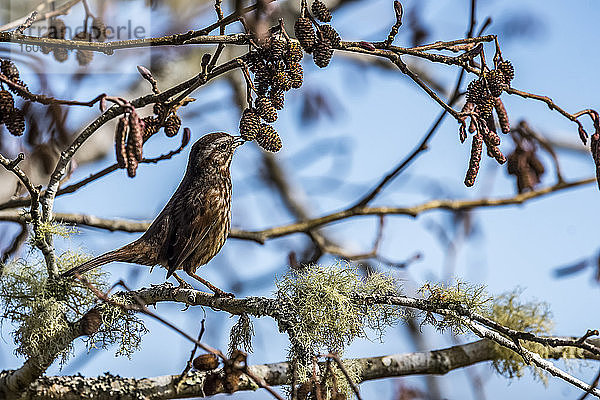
(381, 116)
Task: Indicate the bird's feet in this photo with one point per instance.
(182, 284)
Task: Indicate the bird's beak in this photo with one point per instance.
(238, 142)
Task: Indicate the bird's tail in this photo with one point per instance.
(115, 255)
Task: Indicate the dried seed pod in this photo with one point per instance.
(476, 92)
(255, 61)
(135, 139)
(9, 69)
(282, 81)
(476, 148)
(507, 70)
(485, 108)
(265, 109)
(57, 29)
(495, 81)
(305, 33)
(277, 99)
(98, 30)
(132, 162)
(277, 49)
(494, 152)
(172, 125)
(320, 11)
(490, 137)
(262, 82)
(268, 138)
(150, 126)
(322, 53)
(90, 322)
(296, 75)
(205, 362)
(502, 115)
(249, 124)
(535, 164)
(294, 53)
(7, 103)
(84, 57)
(120, 142)
(158, 109)
(60, 54)
(329, 33)
(15, 122)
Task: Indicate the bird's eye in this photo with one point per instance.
(223, 146)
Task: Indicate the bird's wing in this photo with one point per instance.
(191, 220)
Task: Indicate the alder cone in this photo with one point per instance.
(476, 92)
(172, 125)
(495, 80)
(205, 362)
(57, 29)
(282, 81)
(486, 107)
(265, 109)
(322, 53)
(269, 139)
(249, 124)
(7, 103)
(277, 99)
(330, 33)
(294, 53)
(507, 70)
(98, 30)
(10, 70)
(15, 122)
(60, 54)
(84, 57)
(296, 75)
(320, 10)
(277, 49)
(305, 33)
(150, 126)
(158, 108)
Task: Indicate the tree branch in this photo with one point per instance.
(204, 384)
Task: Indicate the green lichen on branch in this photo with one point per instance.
(327, 317)
(240, 336)
(471, 297)
(533, 317)
(45, 312)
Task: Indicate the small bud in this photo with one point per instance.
(145, 72)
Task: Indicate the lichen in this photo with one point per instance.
(471, 297)
(241, 334)
(44, 310)
(327, 317)
(533, 317)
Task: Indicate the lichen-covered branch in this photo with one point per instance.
(205, 384)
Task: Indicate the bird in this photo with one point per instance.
(193, 226)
